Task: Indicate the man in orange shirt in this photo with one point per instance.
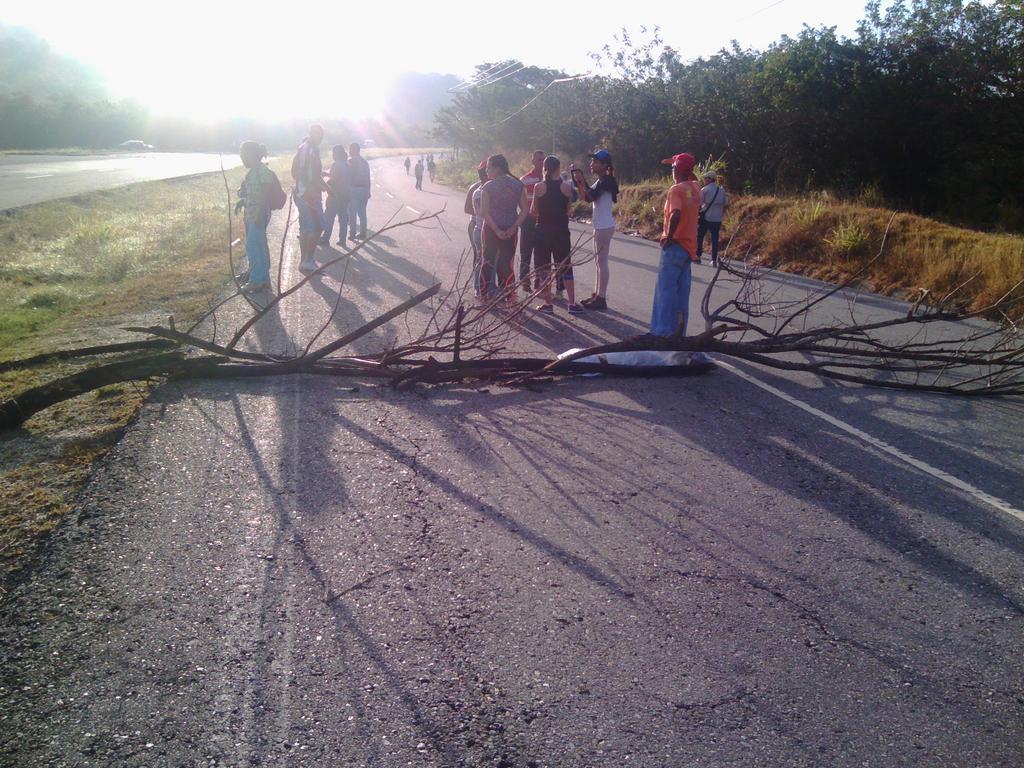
(678, 249)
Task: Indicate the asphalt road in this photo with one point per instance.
(686, 572)
(28, 179)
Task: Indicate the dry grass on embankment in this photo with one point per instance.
(831, 240)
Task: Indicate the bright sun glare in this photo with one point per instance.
(211, 61)
(274, 93)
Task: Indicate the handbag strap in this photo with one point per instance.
(718, 188)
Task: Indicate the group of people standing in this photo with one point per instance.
(431, 167)
(347, 185)
(533, 210)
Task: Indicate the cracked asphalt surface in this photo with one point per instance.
(307, 572)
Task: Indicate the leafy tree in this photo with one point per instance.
(925, 104)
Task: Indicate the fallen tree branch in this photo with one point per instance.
(16, 410)
(378, 321)
(152, 345)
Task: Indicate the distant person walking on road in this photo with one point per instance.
(419, 174)
(407, 164)
(359, 178)
(552, 241)
(503, 208)
(339, 196)
(603, 194)
(253, 196)
(713, 202)
(431, 168)
(530, 180)
(307, 171)
(472, 207)
(678, 248)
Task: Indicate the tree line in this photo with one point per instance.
(922, 108)
(48, 101)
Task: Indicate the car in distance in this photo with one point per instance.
(136, 144)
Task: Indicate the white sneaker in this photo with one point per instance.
(305, 267)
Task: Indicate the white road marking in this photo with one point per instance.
(42, 176)
(928, 469)
(390, 195)
(418, 213)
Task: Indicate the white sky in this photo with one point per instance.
(200, 58)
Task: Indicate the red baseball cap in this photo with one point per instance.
(684, 161)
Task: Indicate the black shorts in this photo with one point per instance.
(553, 248)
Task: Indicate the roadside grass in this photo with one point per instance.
(831, 239)
(828, 238)
(72, 273)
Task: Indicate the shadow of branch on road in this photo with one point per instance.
(289, 537)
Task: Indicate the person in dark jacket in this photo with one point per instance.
(339, 195)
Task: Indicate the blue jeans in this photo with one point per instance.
(671, 292)
(357, 210)
(478, 257)
(257, 252)
(333, 210)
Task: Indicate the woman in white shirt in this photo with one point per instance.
(602, 194)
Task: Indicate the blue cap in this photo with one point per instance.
(603, 155)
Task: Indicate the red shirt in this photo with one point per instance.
(530, 179)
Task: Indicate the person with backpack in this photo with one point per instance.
(552, 198)
(260, 192)
(359, 178)
(603, 194)
(713, 202)
(339, 196)
(307, 170)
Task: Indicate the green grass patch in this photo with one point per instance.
(72, 272)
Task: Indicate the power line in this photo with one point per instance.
(761, 10)
(492, 75)
(523, 108)
(477, 77)
(496, 79)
